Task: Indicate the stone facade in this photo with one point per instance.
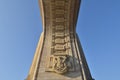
(59, 55)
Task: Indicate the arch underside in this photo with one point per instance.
(60, 40)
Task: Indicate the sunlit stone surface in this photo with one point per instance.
(59, 55)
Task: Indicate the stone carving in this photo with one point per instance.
(59, 48)
(60, 65)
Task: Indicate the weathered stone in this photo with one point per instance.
(59, 55)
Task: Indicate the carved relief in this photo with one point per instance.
(60, 49)
(59, 41)
(60, 19)
(58, 64)
(60, 3)
(60, 11)
(59, 34)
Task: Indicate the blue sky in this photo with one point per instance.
(98, 28)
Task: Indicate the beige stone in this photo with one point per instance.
(59, 55)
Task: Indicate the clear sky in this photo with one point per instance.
(98, 28)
